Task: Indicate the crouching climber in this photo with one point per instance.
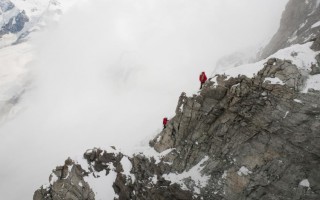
(203, 79)
(165, 122)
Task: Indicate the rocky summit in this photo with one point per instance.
(239, 138)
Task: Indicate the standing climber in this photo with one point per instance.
(165, 122)
(202, 79)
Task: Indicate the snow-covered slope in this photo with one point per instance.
(18, 18)
(300, 54)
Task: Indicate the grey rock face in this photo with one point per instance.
(252, 125)
(315, 70)
(143, 169)
(296, 26)
(68, 184)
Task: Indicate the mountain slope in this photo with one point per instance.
(300, 23)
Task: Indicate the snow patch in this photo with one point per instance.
(297, 100)
(274, 80)
(236, 85)
(102, 186)
(127, 166)
(305, 183)
(285, 115)
(313, 82)
(301, 55)
(293, 37)
(244, 171)
(194, 173)
(303, 24)
(304, 57)
(53, 178)
(167, 151)
(154, 179)
(316, 24)
(224, 175)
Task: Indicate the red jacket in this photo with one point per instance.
(165, 121)
(202, 77)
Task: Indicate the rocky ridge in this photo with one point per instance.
(240, 138)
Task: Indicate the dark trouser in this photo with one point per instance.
(164, 126)
(201, 86)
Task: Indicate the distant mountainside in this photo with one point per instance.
(299, 24)
(19, 18)
(251, 133)
(238, 58)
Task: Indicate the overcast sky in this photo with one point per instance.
(110, 70)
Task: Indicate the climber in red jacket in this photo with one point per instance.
(165, 121)
(202, 79)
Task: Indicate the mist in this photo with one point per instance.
(110, 70)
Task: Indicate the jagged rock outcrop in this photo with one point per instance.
(148, 173)
(261, 138)
(299, 23)
(66, 182)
